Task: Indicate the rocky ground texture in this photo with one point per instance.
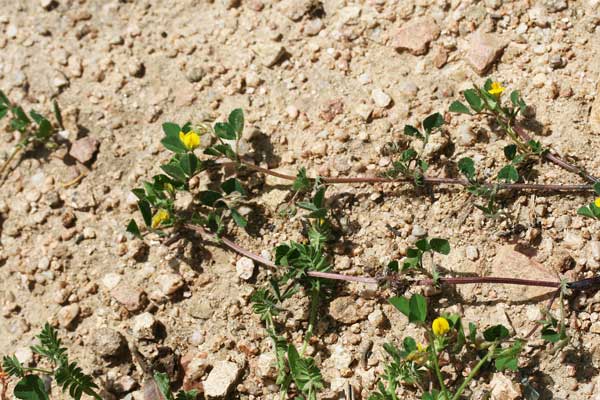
(325, 85)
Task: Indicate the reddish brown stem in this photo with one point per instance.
(427, 180)
(370, 280)
(558, 160)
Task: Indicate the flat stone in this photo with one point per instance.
(416, 35)
(132, 298)
(108, 343)
(510, 263)
(144, 326)
(221, 379)
(270, 54)
(483, 50)
(503, 388)
(169, 283)
(83, 149)
(345, 310)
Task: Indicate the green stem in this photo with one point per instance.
(314, 307)
(10, 158)
(436, 366)
(41, 371)
(473, 372)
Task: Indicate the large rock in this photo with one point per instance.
(83, 149)
(483, 49)
(503, 388)
(221, 379)
(132, 298)
(416, 35)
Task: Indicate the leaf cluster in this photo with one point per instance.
(591, 210)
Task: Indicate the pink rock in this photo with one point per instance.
(416, 35)
(83, 150)
(483, 50)
(132, 298)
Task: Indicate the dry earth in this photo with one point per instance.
(324, 85)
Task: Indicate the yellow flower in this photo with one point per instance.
(440, 326)
(597, 202)
(190, 140)
(421, 348)
(161, 216)
(496, 89)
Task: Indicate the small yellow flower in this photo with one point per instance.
(190, 140)
(597, 202)
(496, 89)
(421, 348)
(440, 326)
(161, 216)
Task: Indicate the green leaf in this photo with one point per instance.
(597, 188)
(189, 164)
(31, 387)
(302, 182)
(233, 185)
(496, 332)
(162, 381)
(209, 197)
(237, 218)
(3, 99)
(236, 121)
(171, 129)
(174, 144)
(57, 114)
(410, 130)
(408, 154)
(144, 207)
(305, 373)
(472, 332)
(466, 166)
(510, 151)
(514, 98)
(36, 116)
(508, 174)
(44, 130)
(12, 366)
(458, 107)
(473, 99)
(585, 211)
(433, 121)
(20, 115)
(189, 395)
(132, 227)
(440, 246)
(418, 308)
(401, 303)
(224, 131)
(508, 358)
(175, 171)
(3, 111)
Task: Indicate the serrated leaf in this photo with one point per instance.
(441, 246)
(433, 121)
(236, 121)
(31, 387)
(472, 97)
(224, 131)
(458, 107)
(171, 129)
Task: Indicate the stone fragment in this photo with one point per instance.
(24, 355)
(83, 149)
(594, 118)
(483, 50)
(380, 98)
(266, 365)
(244, 268)
(111, 280)
(108, 343)
(67, 315)
(503, 388)
(295, 9)
(345, 310)
(416, 35)
(270, 54)
(169, 283)
(221, 379)
(144, 326)
(472, 253)
(136, 68)
(132, 298)
(341, 357)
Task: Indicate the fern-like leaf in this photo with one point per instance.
(12, 366)
(71, 377)
(50, 346)
(189, 395)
